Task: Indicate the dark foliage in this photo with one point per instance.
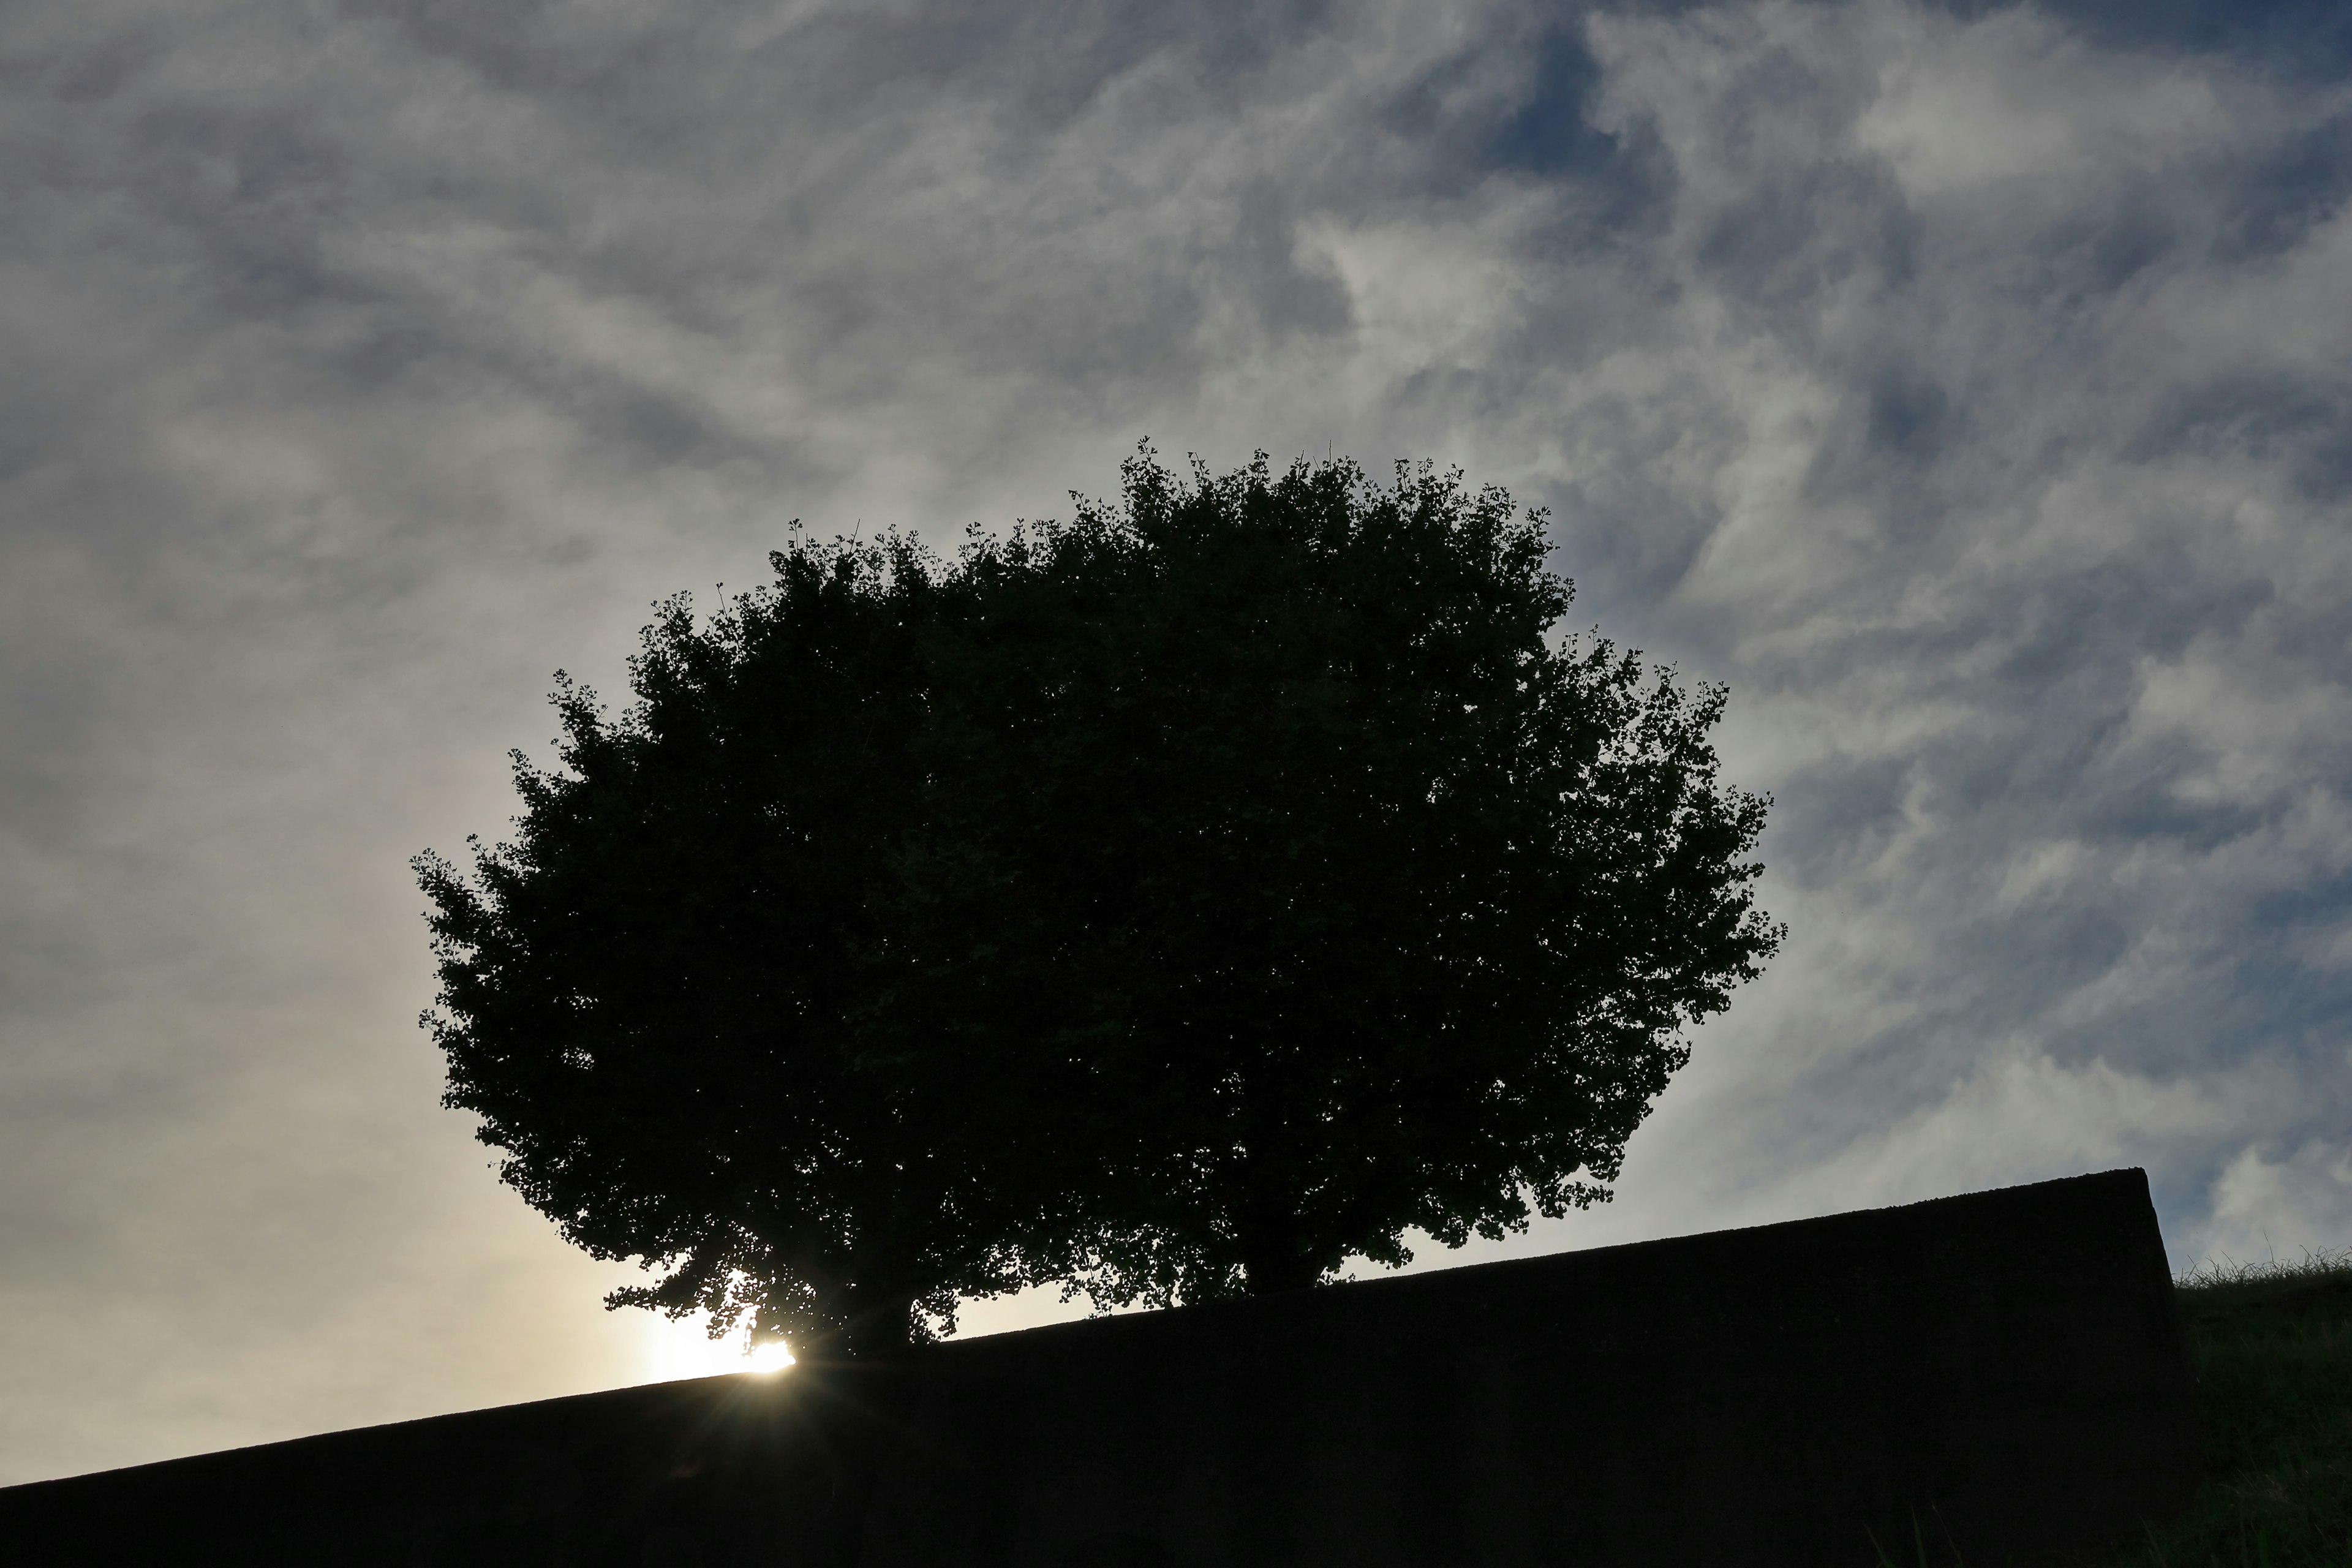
(1177, 901)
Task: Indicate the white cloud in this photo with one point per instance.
(2015, 96)
(2277, 1205)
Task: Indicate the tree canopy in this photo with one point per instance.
(1176, 902)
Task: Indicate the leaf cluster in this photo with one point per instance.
(1174, 902)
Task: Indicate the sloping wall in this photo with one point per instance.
(2000, 1373)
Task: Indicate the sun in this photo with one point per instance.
(772, 1356)
(683, 1348)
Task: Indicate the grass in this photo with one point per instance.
(2273, 1347)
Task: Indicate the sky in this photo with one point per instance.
(1969, 388)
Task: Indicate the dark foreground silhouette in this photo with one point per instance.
(1177, 901)
(2001, 1374)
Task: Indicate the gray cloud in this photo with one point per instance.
(1964, 387)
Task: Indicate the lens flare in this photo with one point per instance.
(683, 1348)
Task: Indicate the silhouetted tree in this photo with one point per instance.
(725, 1001)
(1388, 904)
(1179, 900)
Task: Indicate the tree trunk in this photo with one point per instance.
(1274, 1252)
(1264, 1275)
(1275, 1256)
(861, 1325)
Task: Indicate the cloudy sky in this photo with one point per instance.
(1967, 388)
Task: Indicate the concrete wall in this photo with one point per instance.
(2002, 1373)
